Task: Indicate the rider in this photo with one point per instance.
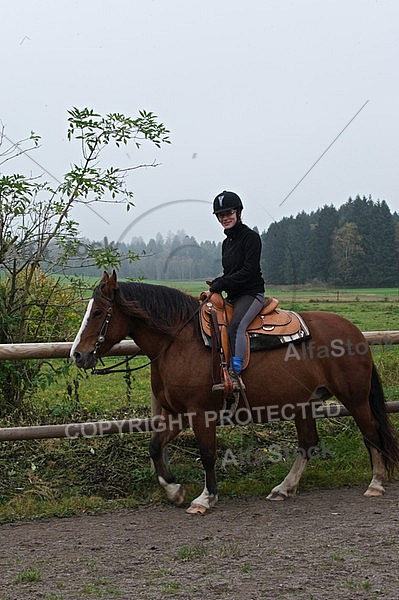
(242, 277)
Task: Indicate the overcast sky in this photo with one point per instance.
(253, 94)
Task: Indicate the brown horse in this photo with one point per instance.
(283, 382)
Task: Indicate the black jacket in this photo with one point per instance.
(241, 263)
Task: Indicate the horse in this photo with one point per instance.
(164, 323)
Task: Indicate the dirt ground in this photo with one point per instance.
(321, 545)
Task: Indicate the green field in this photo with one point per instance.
(59, 477)
(300, 293)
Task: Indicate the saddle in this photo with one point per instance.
(271, 328)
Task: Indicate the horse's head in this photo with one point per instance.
(101, 328)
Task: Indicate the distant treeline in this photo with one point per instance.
(356, 245)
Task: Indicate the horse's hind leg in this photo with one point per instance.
(374, 443)
(378, 435)
(307, 438)
(168, 429)
(372, 440)
(380, 476)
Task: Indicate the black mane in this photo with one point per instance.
(162, 307)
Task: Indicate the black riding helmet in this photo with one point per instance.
(227, 201)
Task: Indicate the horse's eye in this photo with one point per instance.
(97, 313)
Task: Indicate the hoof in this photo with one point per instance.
(196, 509)
(178, 498)
(373, 492)
(276, 497)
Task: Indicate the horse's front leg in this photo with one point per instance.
(205, 432)
(168, 429)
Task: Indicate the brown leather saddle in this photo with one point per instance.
(282, 326)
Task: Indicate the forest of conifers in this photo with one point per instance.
(356, 245)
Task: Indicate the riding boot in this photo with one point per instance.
(235, 369)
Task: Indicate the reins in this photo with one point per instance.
(113, 368)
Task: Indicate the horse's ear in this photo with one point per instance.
(108, 284)
(112, 282)
(104, 278)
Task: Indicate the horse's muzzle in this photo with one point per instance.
(84, 360)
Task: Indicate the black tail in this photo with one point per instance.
(388, 437)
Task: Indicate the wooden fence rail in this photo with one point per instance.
(126, 348)
(91, 429)
(57, 350)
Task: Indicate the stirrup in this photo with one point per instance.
(237, 382)
(218, 387)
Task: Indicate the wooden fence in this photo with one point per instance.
(126, 348)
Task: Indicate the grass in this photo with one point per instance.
(171, 587)
(61, 477)
(29, 576)
(70, 479)
(187, 553)
(100, 588)
(305, 293)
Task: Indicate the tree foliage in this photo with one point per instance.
(35, 217)
(356, 245)
(347, 252)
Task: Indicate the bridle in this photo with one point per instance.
(103, 330)
(100, 340)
